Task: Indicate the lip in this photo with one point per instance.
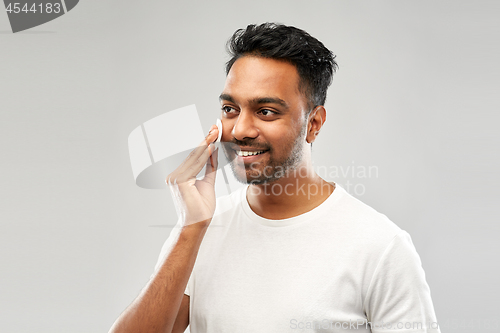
(245, 148)
(249, 159)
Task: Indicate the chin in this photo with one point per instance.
(249, 178)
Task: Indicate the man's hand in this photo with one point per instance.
(156, 309)
(195, 199)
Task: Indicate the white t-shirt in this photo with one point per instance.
(336, 268)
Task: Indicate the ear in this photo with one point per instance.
(315, 122)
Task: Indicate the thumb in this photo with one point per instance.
(211, 167)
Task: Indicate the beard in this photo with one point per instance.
(259, 173)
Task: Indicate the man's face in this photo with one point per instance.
(263, 116)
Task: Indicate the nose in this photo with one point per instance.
(244, 127)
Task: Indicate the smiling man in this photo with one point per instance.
(289, 252)
(269, 125)
(267, 114)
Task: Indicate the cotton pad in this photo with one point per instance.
(218, 123)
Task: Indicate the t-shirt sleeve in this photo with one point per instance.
(167, 247)
(398, 298)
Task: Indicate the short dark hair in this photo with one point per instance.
(314, 62)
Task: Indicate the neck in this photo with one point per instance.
(299, 191)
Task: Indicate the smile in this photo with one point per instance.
(249, 153)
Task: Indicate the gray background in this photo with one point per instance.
(413, 97)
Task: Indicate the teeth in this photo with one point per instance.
(249, 153)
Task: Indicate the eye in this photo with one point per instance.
(267, 112)
(228, 109)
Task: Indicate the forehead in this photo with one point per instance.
(252, 77)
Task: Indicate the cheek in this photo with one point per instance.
(288, 140)
(280, 140)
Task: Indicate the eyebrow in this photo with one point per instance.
(258, 100)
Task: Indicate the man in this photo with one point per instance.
(289, 252)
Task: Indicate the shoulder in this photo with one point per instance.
(398, 282)
(362, 221)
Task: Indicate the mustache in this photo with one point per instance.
(251, 143)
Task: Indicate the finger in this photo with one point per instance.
(195, 166)
(213, 134)
(207, 183)
(195, 155)
(212, 160)
(198, 151)
(215, 158)
(211, 167)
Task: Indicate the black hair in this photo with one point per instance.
(314, 62)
